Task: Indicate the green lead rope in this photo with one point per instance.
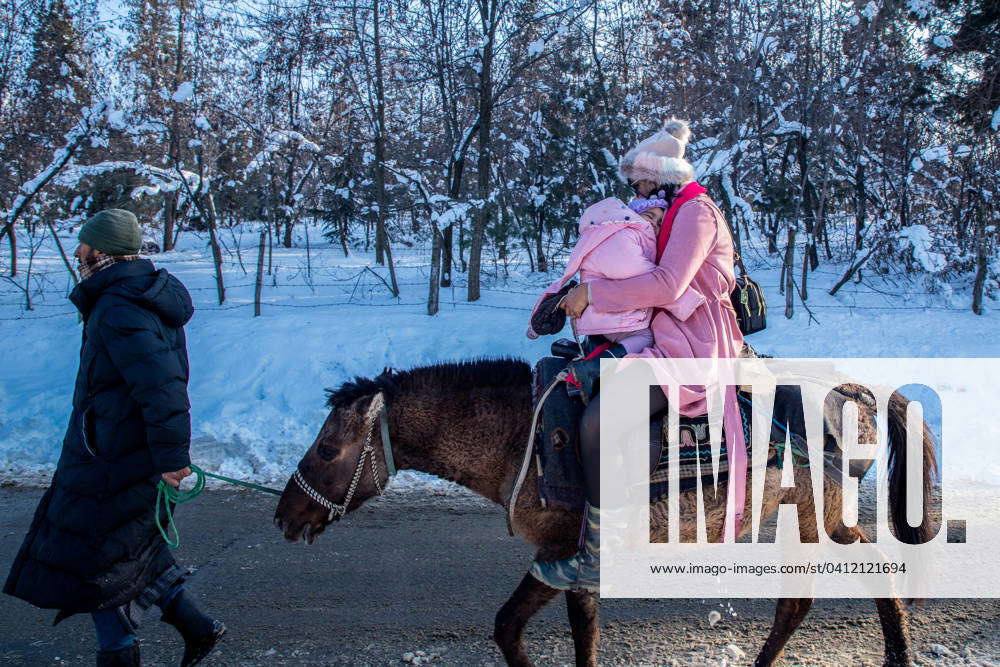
(168, 496)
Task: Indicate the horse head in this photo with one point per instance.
(346, 464)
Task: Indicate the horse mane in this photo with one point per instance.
(458, 375)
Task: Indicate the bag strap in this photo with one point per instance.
(736, 253)
(690, 191)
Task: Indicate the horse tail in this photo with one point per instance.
(898, 465)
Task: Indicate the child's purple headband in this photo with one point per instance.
(641, 204)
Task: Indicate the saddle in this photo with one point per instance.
(556, 445)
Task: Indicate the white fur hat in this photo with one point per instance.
(660, 158)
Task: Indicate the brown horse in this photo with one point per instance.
(468, 422)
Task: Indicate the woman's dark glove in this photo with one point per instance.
(586, 373)
(583, 379)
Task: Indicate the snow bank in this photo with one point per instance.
(257, 384)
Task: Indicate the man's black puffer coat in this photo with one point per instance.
(93, 543)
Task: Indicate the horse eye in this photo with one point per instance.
(328, 453)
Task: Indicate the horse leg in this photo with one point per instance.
(894, 627)
(893, 620)
(582, 608)
(890, 612)
(787, 617)
(529, 596)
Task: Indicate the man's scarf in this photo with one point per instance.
(90, 268)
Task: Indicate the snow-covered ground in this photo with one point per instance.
(257, 383)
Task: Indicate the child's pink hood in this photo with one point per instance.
(609, 211)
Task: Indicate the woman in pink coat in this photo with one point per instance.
(694, 255)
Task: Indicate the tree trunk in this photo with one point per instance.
(804, 292)
(343, 235)
(853, 269)
(488, 13)
(259, 285)
(174, 150)
(860, 206)
(446, 255)
(309, 270)
(543, 266)
(461, 246)
(981, 260)
(288, 200)
(62, 252)
(737, 240)
(808, 204)
(289, 227)
(527, 250)
(434, 285)
(169, 212)
(392, 268)
(789, 273)
(457, 170)
(381, 242)
(772, 233)
(12, 235)
(220, 285)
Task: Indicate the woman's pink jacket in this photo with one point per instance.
(698, 257)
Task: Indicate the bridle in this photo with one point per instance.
(376, 410)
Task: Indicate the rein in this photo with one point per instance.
(167, 496)
(376, 410)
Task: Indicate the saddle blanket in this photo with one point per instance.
(557, 446)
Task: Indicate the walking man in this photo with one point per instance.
(93, 546)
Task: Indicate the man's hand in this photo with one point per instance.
(576, 301)
(174, 478)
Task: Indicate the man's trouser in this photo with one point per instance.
(115, 632)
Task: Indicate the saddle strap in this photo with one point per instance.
(529, 450)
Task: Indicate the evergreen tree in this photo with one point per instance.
(158, 60)
(57, 87)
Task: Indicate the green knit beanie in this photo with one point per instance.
(114, 231)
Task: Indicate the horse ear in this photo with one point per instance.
(388, 371)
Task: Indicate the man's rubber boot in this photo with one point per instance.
(200, 632)
(582, 570)
(125, 657)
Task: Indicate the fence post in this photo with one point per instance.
(260, 273)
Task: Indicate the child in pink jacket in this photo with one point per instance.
(618, 241)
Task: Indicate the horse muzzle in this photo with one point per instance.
(298, 517)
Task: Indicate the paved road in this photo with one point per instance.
(412, 574)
